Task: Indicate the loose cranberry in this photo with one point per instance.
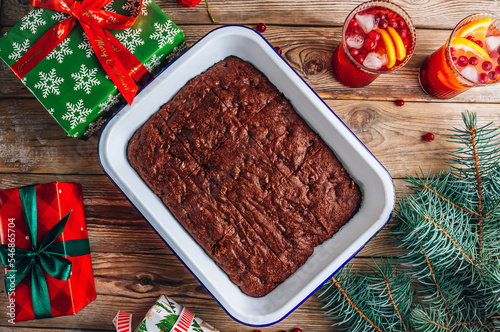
(360, 58)
(389, 15)
(296, 330)
(353, 23)
(374, 35)
(261, 27)
(406, 42)
(402, 32)
(487, 65)
(483, 78)
(492, 75)
(497, 70)
(480, 43)
(393, 23)
(401, 22)
(429, 137)
(452, 51)
(381, 15)
(383, 24)
(354, 52)
(369, 44)
(278, 49)
(470, 38)
(400, 102)
(473, 60)
(463, 61)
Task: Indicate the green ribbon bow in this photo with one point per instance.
(47, 256)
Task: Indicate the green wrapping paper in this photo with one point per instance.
(70, 82)
(167, 315)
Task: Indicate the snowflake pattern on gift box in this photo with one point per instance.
(19, 49)
(109, 7)
(86, 46)
(49, 83)
(133, 6)
(61, 51)
(164, 33)
(130, 38)
(33, 20)
(85, 79)
(76, 113)
(95, 126)
(153, 62)
(59, 16)
(108, 103)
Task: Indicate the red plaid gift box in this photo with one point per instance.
(52, 275)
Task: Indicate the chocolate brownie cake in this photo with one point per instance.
(244, 174)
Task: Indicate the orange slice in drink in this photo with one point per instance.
(476, 29)
(470, 46)
(389, 47)
(398, 43)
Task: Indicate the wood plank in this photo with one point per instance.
(112, 221)
(309, 51)
(424, 13)
(32, 142)
(133, 282)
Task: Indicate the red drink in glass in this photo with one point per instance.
(378, 37)
(470, 58)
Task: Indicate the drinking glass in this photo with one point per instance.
(378, 37)
(469, 58)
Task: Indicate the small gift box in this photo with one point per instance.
(83, 59)
(45, 251)
(166, 315)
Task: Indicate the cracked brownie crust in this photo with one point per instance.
(244, 174)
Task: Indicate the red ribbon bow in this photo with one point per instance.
(122, 66)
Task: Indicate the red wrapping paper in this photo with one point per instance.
(54, 200)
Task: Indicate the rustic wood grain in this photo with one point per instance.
(309, 50)
(132, 282)
(424, 13)
(32, 142)
(132, 265)
(113, 221)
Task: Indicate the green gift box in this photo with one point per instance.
(70, 82)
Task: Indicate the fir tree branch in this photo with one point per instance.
(452, 241)
(475, 323)
(438, 286)
(348, 299)
(480, 217)
(394, 303)
(448, 201)
(436, 324)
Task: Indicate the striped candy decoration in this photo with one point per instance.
(123, 322)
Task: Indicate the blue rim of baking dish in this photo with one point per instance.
(319, 98)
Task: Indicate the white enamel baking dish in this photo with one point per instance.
(373, 179)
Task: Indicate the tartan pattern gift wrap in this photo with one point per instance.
(78, 86)
(45, 251)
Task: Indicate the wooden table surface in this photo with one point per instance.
(132, 265)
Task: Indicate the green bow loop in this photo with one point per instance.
(48, 256)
